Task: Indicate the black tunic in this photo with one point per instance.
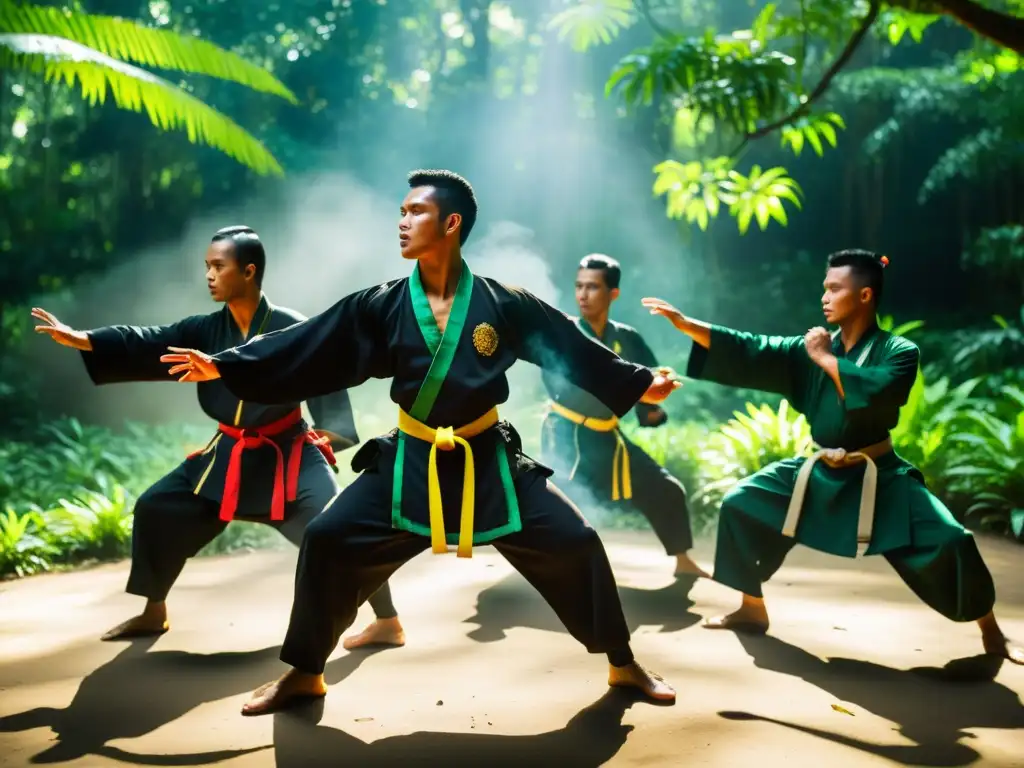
(122, 353)
(624, 341)
(387, 331)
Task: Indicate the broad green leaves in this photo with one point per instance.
(812, 129)
(696, 192)
(167, 106)
(719, 77)
(129, 41)
(586, 23)
(721, 89)
(92, 52)
(760, 195)
(898, 22)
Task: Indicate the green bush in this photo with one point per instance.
(987, 464)
(68, 492)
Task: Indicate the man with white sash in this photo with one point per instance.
(855, 494)
(451, 473)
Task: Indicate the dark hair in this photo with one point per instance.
(247, 247)
(454, 195)
(867, 267)
(609, 266)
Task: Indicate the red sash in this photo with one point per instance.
(254, 437)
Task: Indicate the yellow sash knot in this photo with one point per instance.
(446, 439)
(622, 478)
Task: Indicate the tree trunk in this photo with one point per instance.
(999, 27)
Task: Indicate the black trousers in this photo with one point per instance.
(172, 524)
(657, 495)
(351, 549)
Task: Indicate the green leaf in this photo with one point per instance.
(590, 22)
(1017, 523)
(167, 106)
(795, 139)
(743, 219)
(777, 211)
(828, 131)
(812, 139)
(905, 328)
(130, 41)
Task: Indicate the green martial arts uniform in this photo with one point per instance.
(935, 555)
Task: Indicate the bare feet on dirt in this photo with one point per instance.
(152, 621)
(685, 566)
(996, 643)
(293, 687)
(634, 676)
(752, 617)
(380, 632)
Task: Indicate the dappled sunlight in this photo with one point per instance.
(834, 188)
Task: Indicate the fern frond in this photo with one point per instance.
(167, 106)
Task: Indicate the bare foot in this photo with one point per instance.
(380, 632)
(752, 617)
(999, 645)
(292, 687)
(634, 676)
(996, 643)
(685, 566)
(152, 621)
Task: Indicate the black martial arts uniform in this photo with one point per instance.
(264, 461)
(582, 442)
(451, 473)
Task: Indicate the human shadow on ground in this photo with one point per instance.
(137, 692)
(932, 707)
(591, 738)
(513, 602)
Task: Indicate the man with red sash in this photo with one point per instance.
(451, 473)
(264, 464)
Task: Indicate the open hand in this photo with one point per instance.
(818, 343)
(194, 364)
(662, 386)
(62, 334)
(663, 308)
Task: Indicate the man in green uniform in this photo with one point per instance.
(855, 494)
(581, 439)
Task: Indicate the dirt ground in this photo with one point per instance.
(850, 675)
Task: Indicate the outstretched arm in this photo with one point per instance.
(338, 349)
(547, 338)
(122, 353)
(739, 359)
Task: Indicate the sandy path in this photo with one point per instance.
(489, 678)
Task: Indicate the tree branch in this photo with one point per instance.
(819, 90)
(1001, 28)
(644, 7)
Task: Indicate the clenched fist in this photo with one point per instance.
(818, 343)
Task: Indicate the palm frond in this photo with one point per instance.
(127, 40)
(167, 106)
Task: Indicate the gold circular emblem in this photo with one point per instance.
(617, 348)
(485, 339)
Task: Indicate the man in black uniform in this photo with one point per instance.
(265, 461)
(452, 473)
(581, 438)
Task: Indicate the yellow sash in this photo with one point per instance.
(621, 452)
(446, 438)
(837, 457)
